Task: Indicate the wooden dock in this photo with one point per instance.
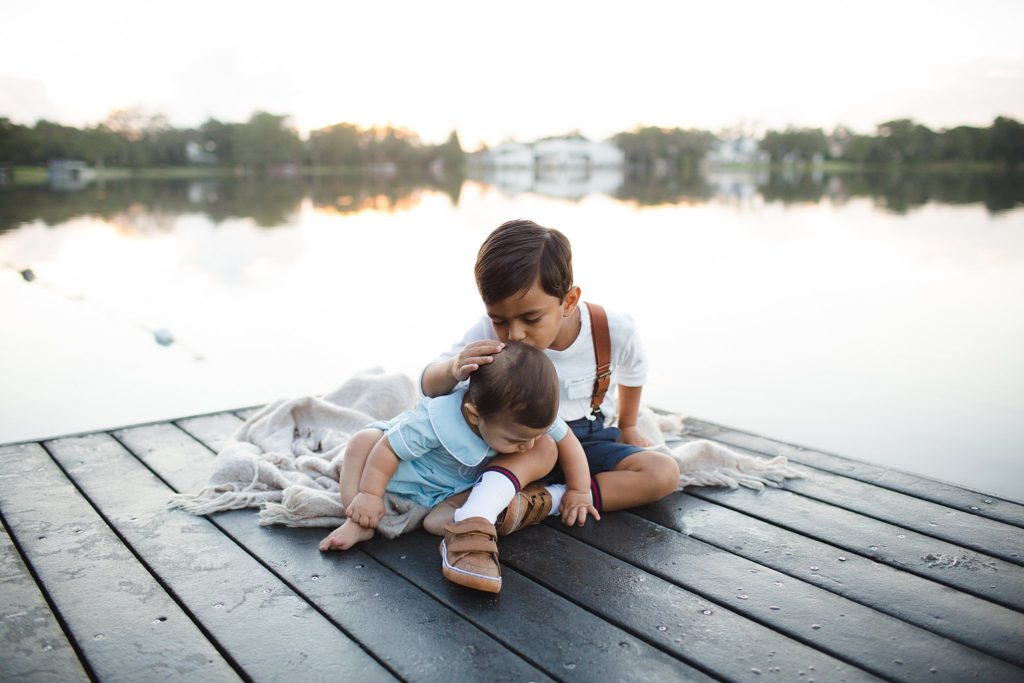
(855, 572)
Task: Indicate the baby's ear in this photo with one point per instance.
(472, 414)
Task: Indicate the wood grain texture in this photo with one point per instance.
(34, 646)
(950, 495)
(126, 624)
(979, 623)
(853, 573)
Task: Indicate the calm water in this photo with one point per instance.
(879, 317)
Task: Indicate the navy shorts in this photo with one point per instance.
(600, 443)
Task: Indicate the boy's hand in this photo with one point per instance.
(366, 510)
(633, 437)
(575, 506)
(472, 356)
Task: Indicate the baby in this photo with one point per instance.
(440, 448)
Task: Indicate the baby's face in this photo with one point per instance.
(506, 436)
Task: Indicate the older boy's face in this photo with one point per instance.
(534, 316)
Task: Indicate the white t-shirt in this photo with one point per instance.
(576, 365)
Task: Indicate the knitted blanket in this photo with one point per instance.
(286, 458)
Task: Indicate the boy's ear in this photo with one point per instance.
(472, 414)
(570, 302)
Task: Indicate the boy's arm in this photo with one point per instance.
(577, 501)
(629, 407)
(440, 377)
(367, 507)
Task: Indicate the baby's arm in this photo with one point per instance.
(367, 507)
(441, 376)
(629, 407)
(577, 501)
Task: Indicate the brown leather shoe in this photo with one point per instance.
(531, 505)
(469, 554)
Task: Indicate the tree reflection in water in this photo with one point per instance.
(269, 202)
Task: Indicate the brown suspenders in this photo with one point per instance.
(602, 355)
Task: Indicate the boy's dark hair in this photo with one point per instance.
(519, 253)
(520, 385)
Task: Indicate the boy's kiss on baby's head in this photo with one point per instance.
(512, 401)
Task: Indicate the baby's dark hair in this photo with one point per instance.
(519, 253)
(521, 385)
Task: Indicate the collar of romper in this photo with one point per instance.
(452, 430)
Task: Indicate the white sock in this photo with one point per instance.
(489, 497)
(556, 491)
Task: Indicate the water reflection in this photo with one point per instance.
(149, 204)
(896, 191)
(141, 204)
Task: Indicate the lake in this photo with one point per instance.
(876, 316)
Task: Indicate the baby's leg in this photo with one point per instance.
(356, 454)
(504, 477)
(346, 536)
(443, 512)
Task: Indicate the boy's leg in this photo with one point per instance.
(356, 454)
(637, 479)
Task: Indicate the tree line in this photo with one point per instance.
(902, 141)
(130, 139)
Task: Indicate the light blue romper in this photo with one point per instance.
(440, 454)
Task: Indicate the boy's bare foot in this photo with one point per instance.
(346, 536)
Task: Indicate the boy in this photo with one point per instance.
(437, 449)
(524, 275)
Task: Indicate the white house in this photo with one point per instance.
(572, 153)
(200, 154)
(740, 149)
(510, 154)
(68, 174)
(570, 167)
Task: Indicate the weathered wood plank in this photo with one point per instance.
(708, 635)
(558, 636)
(34, 646)
(246, 413)
(959, 498)
(977, 533)
(972, 621)
(126, 625)
(239, 602)
(966, 570)
(212, 430)
(370, 601)
(847, 630)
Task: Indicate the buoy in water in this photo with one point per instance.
(163, 336)
(28, 275)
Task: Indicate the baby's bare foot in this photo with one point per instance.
(346, 536)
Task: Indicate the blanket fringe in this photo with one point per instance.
(219, 499)
(706, 463)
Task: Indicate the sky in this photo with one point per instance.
(521, 70)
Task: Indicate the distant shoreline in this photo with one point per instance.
(37, 175)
